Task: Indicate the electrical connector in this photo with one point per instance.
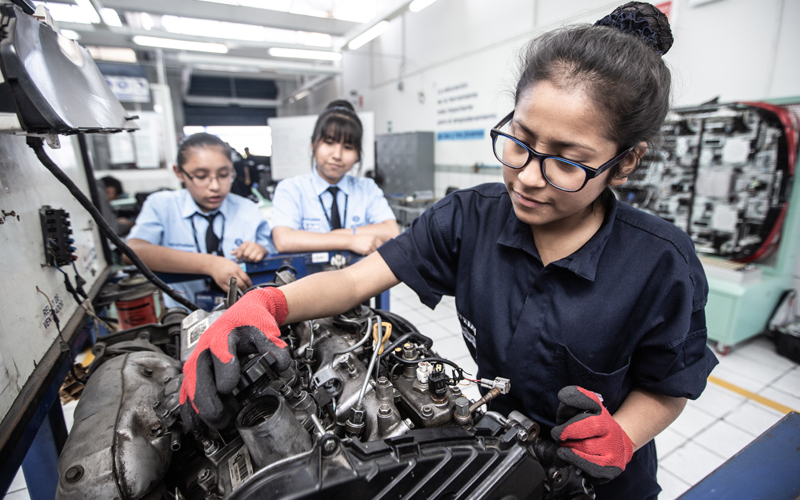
(501, 383)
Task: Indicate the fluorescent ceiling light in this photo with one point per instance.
(279, 5)
(114, 54)
(88, 8)
(168, 43)
(357, 11)
(146, 21)
(66, 13)
(418, 5)
(305, 54)
(110, 17)
(368, 35)
(301, 95)
(71, 34)
(208, 28)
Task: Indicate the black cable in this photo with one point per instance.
(63, 343)
(37, 144)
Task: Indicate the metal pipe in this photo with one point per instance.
(357, 344)
(485, 399)
(175, 440)
(371, 365)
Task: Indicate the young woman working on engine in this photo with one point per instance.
(594, 310)
(327, 209)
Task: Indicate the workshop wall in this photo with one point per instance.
(451, 67)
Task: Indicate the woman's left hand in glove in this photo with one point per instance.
(589, 437)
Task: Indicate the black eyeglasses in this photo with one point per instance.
(561, 173)
(223, 177)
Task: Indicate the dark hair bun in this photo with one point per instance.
(341, 105)
(644, 21)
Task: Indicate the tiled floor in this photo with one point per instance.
(708, 432)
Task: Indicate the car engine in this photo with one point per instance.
(358, 405)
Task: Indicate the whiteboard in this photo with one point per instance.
(291, 145)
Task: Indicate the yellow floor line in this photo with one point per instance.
(750, 395)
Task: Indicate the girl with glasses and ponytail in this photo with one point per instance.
(202, 229)
(593, 309)
(327, 209)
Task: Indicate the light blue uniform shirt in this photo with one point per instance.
(303, 202)
(172, 219)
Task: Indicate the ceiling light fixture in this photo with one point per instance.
(88, 9)
(301, 95)
(114, 54)
(110, 17)
(418, 5)
(305, 54)
(71, 34)
(368, 35)
(169, 43)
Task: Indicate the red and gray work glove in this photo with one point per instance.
(589, 437)
(249, 326)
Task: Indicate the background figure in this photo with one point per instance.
(112, 188)
(327, 209)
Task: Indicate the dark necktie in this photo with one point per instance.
(336, 220)
(212, 240)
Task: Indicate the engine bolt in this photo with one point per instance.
(156, 404)
(210, 447)
(427, 411)
(147, 372)
(73, 474)
(384, 410)
(165, 413)
(329, 446)
(204, 474)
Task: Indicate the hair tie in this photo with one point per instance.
(630, 19)
(342, 108)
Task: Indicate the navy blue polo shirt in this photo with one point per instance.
(625, 310)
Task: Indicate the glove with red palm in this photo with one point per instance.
(589, 436)
(249, 326)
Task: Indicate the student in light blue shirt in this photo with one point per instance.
(203, 229)
(327, 209)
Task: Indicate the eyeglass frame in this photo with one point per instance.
(193, 177)
(590, 172)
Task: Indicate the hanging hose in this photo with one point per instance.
(37, 144)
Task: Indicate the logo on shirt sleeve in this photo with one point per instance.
(175, 244)
(467, 330)
(311, 225)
